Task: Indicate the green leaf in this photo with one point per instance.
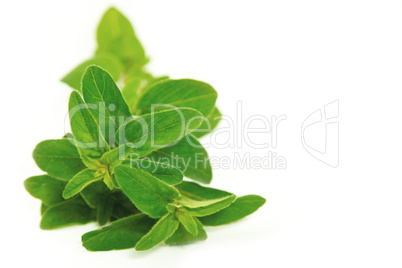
(189, 156)
(70, 137)
(93, 193)
(240, 208)
(123, 207)
(120, 212)
(58, 158)
(105, 210)
(73, 211)
(166, 173)
(136, 83)
(182, 236)
(178, 93)
(148, 193)
(208, 124)
(150, 132)
(43, 208)
(121, 234)
(99, 90)
(109, 180)
(79, 182)
(116, 35)
(115, 157)
(97, 195)
(161, 231)
(92, 163)
(45, 188)
(107, 61)
(197, 192)
(206, 207)
(87, 135)
(131, 90)
(186, 220)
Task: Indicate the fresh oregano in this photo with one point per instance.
(128, 152)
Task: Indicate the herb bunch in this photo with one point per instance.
(124, 162)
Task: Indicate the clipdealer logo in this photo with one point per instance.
(320, 134)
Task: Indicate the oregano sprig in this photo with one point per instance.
(129, 150)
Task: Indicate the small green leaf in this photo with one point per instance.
(197, 192)
(208, 124)
(101, 92)
(240, 208)
(147, 193)
(121, 234)
(164, 172)
(73, 211)
(172, 207)
(115, 157)
(107, 179)
(189, 156)
(186, 220)
(116, 35)
(107, 61)
(70, 137)
(161, 231)
(88, 137)
(206, 207)
(45, 188)
(150, 132)
(179, 93)
(92, 163)
(182, 236)
(58, 158)
(79, 182)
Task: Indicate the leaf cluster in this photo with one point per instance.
(124, 162)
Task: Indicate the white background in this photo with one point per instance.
(279, 58)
